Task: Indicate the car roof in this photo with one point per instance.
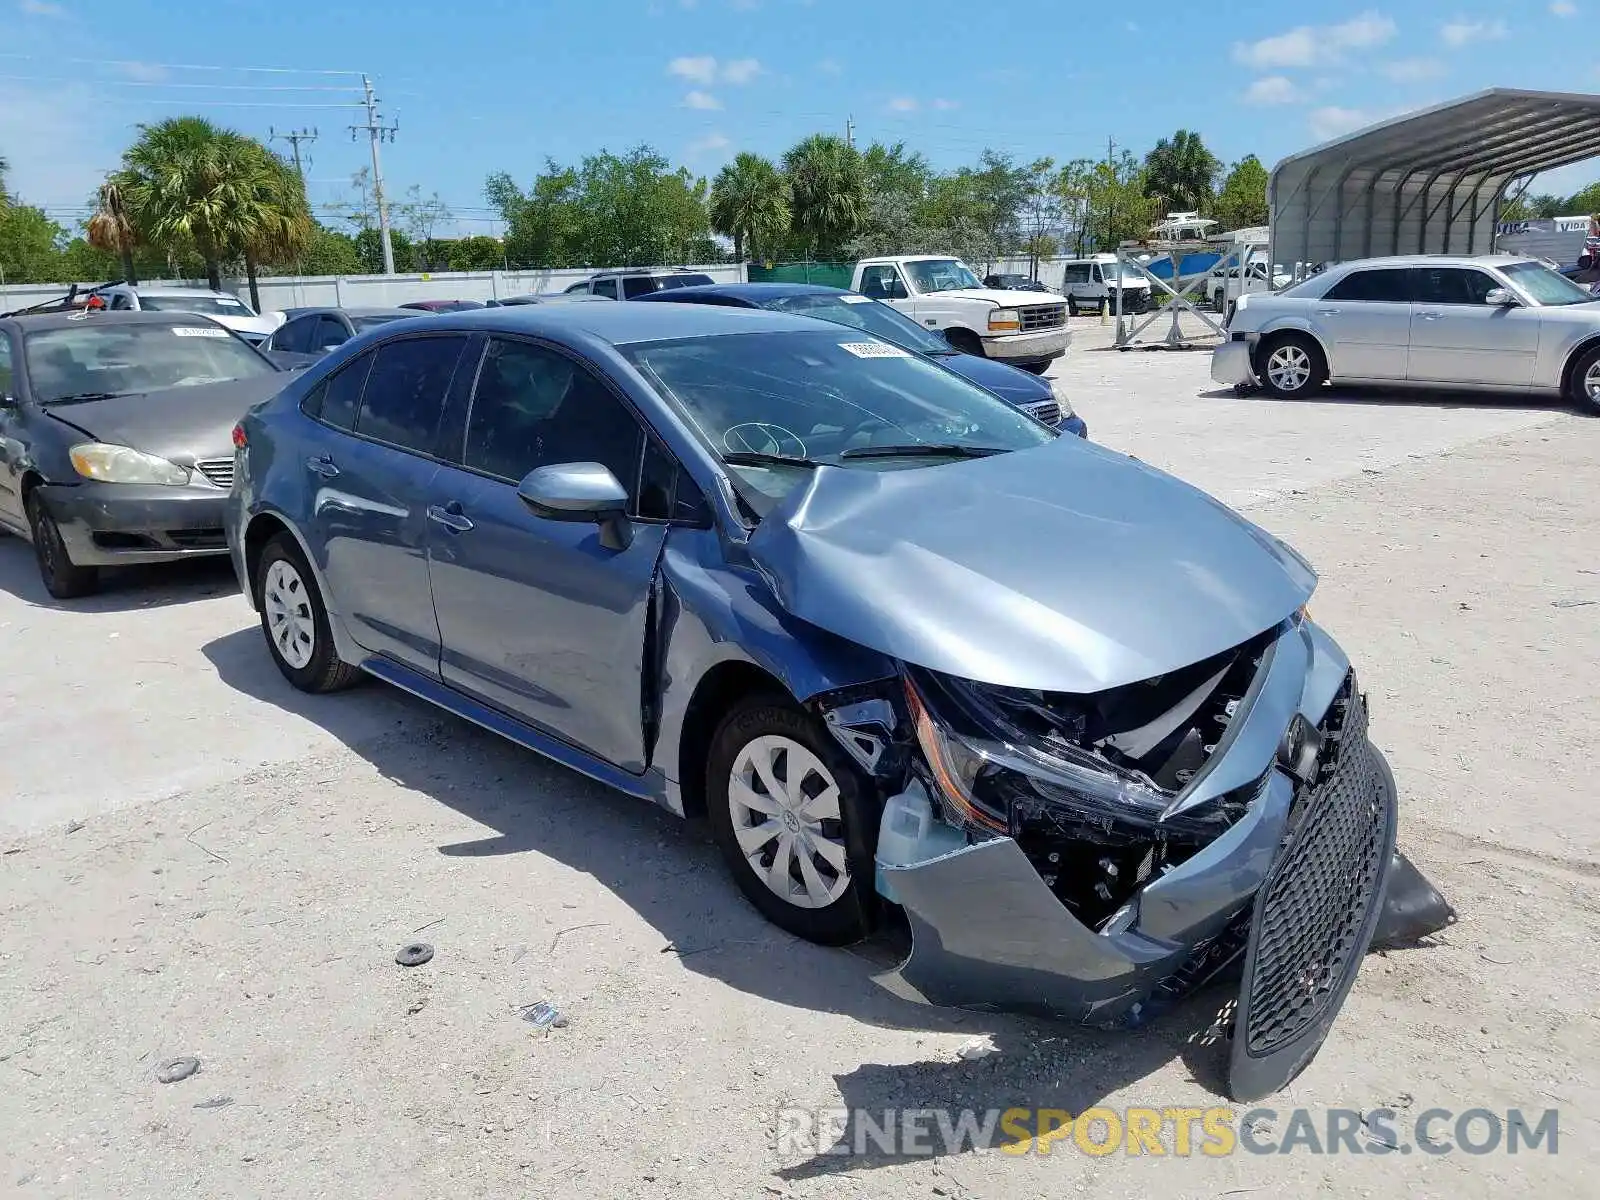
(294, 314)
(32, 322)
(164, 290)
(623, 324)
(747, 291)
(1434, 260)
(647, 271)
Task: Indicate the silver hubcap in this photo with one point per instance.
(290, 625)
(785, 809)
(1289, 367)
(1591, 382)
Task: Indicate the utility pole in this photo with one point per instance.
(850, 132)
(376, 131)
(294, 137)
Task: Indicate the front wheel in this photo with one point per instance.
(1584, 387)
(62, 577)
(795, 821)
(1291, 366)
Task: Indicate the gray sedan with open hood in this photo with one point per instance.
(900, 643)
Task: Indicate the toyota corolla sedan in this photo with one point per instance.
(114, 437)
(1496, 324)
(897, 641)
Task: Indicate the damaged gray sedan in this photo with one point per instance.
(900, 643)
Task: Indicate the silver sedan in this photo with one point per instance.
(1501, 324)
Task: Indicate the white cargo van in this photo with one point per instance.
(1089, 282)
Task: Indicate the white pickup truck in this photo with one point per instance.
(1024, 329)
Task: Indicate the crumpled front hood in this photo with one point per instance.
(1068, 567)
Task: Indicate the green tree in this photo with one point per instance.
(1109, 199)
(542, 224)
(1181, 173)
(827, 186)
(30, 244)
(894, 170)
(1000, 190)
(1242, 202)
(369, 249)
(1581, 203)
(750, 204)
(330, 252)
(1528, 208)
(111, 228)
(477, 253)
(270, 223)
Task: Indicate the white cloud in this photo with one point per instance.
(1273, 89)
(943, 105)
(143, 72)
(1332, 121)
(41, 8)
(903, 104)
(702, 69)
(1460, 32)
(701, 100)
(709, 144)
(1413, 70)
(1308, 45)
(740, 70)
(1564, 8)
(831, 66)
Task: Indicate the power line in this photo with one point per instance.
(294, 137)
(253, 104)
(156, 83)
(141, 65)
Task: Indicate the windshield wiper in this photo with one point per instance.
(923, 449)
(75, 397)
(758, 458)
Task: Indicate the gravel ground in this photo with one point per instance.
(249, 859)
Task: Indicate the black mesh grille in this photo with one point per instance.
(1314, 908)
(1048, 411)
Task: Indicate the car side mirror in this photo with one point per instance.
(1501, 298)
(7, 401)
(585, 492)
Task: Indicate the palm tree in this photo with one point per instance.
(750, 204)
(111, 228)
(827, 184)
(271, 221)
(1181, 172)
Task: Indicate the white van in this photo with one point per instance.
(1089, 282)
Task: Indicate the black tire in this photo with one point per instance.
(965, 341)
(1072, 307)
(1034, 368)
(322, 670)
(1303, 371)
(1578, 391)
(851, 915)
(62, 577)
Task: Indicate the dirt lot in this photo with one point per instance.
(249, 859)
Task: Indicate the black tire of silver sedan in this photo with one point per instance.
(62, 577)
(795, 820)
(1290, 365)
(1583, 387)
(295, 620)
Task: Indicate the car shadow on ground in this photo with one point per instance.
(122, 589)
(1403, 398)
(670, 873)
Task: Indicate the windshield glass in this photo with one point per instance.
(212, 306)
(105, 359)
(847, 308)
(1112, 272)
(941, 275)
(1546, 286)
(821, 397)
(363, 324)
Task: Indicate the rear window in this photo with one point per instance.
(678, 281)
(1388, 284)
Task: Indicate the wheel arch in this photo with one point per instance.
(1277, 332)
(1571, 363)
(963, 338)
(717, 691)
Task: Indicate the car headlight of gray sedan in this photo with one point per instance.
(105, 463)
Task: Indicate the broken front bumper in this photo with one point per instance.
(1231, 365)
(1296, 887)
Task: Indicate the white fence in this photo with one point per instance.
(374, 291)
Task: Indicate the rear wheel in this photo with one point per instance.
(794, 819)
(62, 578)
(1583, 388)
(1291, 366)
(295, 620)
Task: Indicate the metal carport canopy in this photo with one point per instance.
(1429, 182)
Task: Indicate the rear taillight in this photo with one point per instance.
(239, 439)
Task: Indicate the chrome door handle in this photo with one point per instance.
(322, 465)
(1327, 312)
(1430, 316)
(450, 516)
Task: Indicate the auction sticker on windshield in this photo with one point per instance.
(197, 331)
(874, 350)
(851, 299)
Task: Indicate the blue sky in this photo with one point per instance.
(503, 85)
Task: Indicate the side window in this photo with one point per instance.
(329, 332)
(292, 337)
(605, 287)
(580, 286)
(1387, 285)
(1078, 273)
(1094, 273)
(638, 285)
(882, 283)
(405, 391)
(5, 366)
(1451, 285)
(337, 398)
(666, 493)
(533, 407)
(120, 301)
